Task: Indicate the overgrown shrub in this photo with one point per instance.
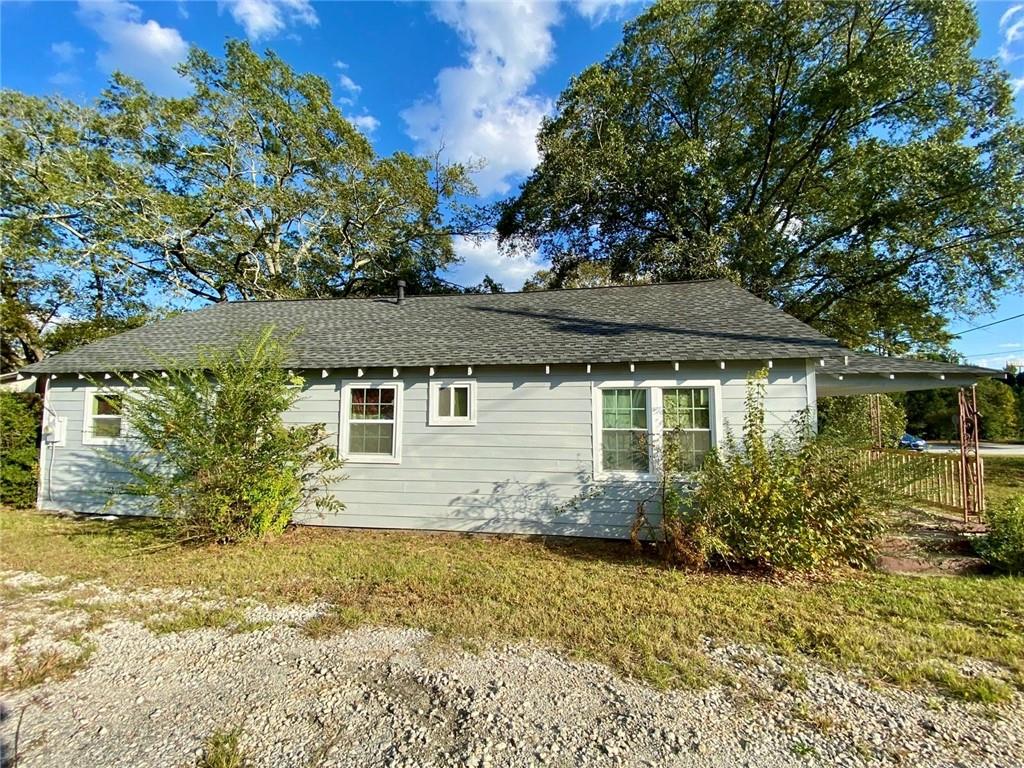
(667, 519)
(214, 452)
(1003, 545)
(19, 454)
(791, 501)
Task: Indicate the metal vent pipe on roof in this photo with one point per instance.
(401, 291)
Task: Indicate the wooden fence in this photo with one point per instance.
(938, 480)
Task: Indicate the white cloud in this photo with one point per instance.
(142, 49)
(599, 11)
(1011, 24)
(346, 83)
(262, 19)
(65, 52)
(482, 111)
(64, 79)
(365, 122)
(484, 258)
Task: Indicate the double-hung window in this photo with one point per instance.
(625, 444)
(452, 403)
(371, 422)
(635, 423)
(687, 423)
(103, 423)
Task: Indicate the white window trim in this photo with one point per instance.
(434, 419)
(346, 408)
(655, 420)
(88, 438)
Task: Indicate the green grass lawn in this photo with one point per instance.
(1004, 477)
(592, 600)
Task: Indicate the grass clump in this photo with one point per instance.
(195, 617)
(980, 688)
(29, 669)
(223, 749)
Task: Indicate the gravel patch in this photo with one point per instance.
(397, 697)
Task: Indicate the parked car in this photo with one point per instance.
(912, 442)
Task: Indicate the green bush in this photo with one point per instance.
(1003, 546)
(214, 452)
(791, 501)
(19, 454)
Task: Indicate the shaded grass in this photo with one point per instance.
(593, 600)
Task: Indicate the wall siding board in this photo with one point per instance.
(521, 469)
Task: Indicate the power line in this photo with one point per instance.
(989, 325)
(998, 352)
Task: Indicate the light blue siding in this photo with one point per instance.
(522, 468)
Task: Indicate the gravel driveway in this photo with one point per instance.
(393, 697)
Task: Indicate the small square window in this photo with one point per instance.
(452, 403)
(103, 421)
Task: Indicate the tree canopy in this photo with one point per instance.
(255, 186)
(852, 162)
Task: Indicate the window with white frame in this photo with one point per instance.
(371, 422)
(686, 419)
(634, 422)
(452, 403)
(103, 423)
(624, 434)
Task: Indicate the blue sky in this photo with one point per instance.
(477, 77)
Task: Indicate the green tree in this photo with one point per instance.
(67, 336)
(587, 274)
(19, 455)
(1015, 379)
(933, 414)
(848, 420)
(997, 406)
(487, 285)
(255, 186)
(213, 451)
(59, 191)
(852, 162)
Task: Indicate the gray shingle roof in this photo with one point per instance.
(856, 363)
(699, 320)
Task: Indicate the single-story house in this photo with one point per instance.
(496, 412)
